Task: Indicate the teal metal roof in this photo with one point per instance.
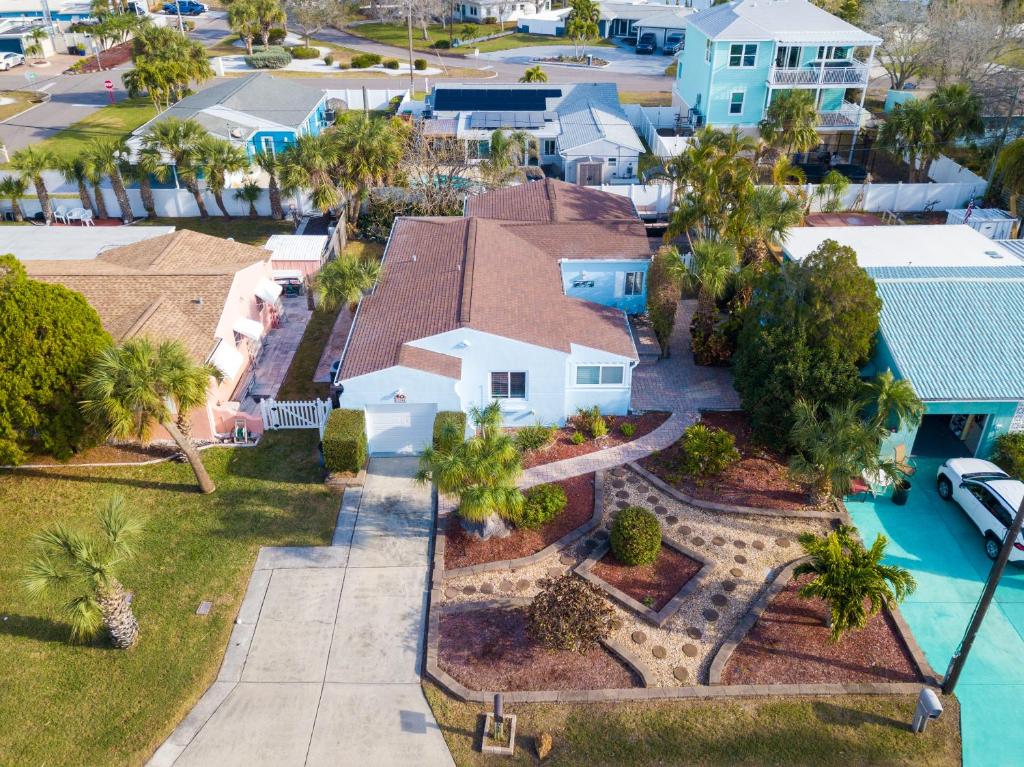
(946, 272)
(960, 337)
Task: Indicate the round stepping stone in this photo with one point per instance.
(685, 530)
(487, 588)
(642, 489)
(615, 624)
(622, 504)
(719, 600)
(739, 544)
(622, 494)
(680, 673)
(736, 573)
(618, 472)
(671, 519)
(469, 590)
(728, 585)
(565, 559)
(690, 650)
(633, 479)
(710, 615)
(694, 633)
(603, 535)
(718, 540)
(555, 572)
(660, 510)
(659, 652)
(638, 637)
(522, 584)
(759, 545)
(618, 483)
(740, 559)
(451, 593)
(507, 586)
(782, 542)
(652, 499)
(697, 540)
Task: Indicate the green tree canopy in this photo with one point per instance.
(48, 336)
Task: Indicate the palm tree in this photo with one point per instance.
(182, 141)
(850, 578)
(76, 172)
(791, 122)
(956, 115)
(344, 281)
(481, 472)
(311, 164)
(505, 154)
(830, 451)
(31, 162)
(268, 13)
(770, 215)
(711, 266)
(134, 386)
(369, 151)
(1010, 166)
(85, 571)
(148, 164)
(35, 48)
(534, 74)
(909, 131)
(13, 188)
(893, 400)
(249, 192)
(104, 157)
(831, 190)
(243, 18)
(219, 158)
(268, 161)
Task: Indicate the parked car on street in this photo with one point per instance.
(8, 60)
(674, 43)
(647, 44)
(989, 497)
(188, 7)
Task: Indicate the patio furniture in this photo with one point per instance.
(75, 214)
(61, 214)
(87, 218)
(902, 464)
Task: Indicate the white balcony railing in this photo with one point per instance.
(844, 73)
(847, 116)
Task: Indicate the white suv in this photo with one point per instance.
(10, 59)
(988, 495)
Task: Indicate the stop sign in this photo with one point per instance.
(108, 85)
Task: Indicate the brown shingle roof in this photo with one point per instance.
(551, 201)
(430, 362)
(587, 239)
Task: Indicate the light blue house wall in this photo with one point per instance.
(608, 279)
(693, 72)
(312, 126)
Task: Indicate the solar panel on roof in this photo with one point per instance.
(493, 99)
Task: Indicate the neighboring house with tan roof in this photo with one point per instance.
(475, 308)
(216, 296)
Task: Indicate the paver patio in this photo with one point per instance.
(323, 666)
(281, 343)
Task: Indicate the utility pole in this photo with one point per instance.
(412, 81)
(956, 664)
(181, 24)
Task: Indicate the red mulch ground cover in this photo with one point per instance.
(488, 649)
(790, 644)
(461, 550)
(760, 478)
(114, 56)
(562, 447)
(659, 581)
(126, 453)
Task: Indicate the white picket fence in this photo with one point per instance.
(298, 414)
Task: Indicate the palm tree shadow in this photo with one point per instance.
(59, 472)
(830, 713)
(34, 627)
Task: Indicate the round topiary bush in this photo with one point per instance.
(391, 64)
(304, 52)
(276, 35)
(442, 44)
(329, 59)
(542, 504)
(569, 614)
(419, 64)
(636, 536)
(273, 57)
(364, 60)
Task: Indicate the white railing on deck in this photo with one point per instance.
(308, 414)
(818, 75)
(849, 115)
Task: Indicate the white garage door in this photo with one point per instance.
(405, 429)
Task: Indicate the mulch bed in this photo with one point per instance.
(759, 479)
(790, 644)
(461, 550)
(562, 447)
(114, 56)
(659, 581)
(488, 649)
(126, 453)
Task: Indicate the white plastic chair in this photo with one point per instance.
(87, 218)
(61, 214)
(75, 214)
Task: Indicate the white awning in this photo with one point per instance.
(250, 328)
(268, 290)
(287, 274)
(227, 359)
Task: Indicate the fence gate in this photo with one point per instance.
(307, 414)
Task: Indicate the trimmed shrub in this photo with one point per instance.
(345, 447)
(274, 57)
(569, 614)
(1009, 454)
(329, 59)
(598, 427)
(304, 52)
(578, 438)
(448, 423)
(391, 64)
(344, 65)
(534, 437)
(542, 504)
(636, 536)
(442, 44)
(628, 429)
(490, 20)
(707, 451)
(364, 60)
(419, 64)
(276, 35)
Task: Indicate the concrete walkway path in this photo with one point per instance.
(323, 665)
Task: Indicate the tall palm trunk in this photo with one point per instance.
(83, 195)
(16, 209)
(218, 197)
(118, 616)
(122, 196)
(193, 187)
(706, 309)
(101, 204)
(253, 213)
(146, 192)
(206, 485)
(248, 44)
(276, 209)
(44, 198)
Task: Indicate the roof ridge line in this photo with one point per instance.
(468, 264)
(552, 195)
(148, 312)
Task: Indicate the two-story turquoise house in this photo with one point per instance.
(740, 55)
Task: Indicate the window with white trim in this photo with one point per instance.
(743, 55)
(549, 146)
(736, 103)
(508, 385)
(599, 375)
(634, 285)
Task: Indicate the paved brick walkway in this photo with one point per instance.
(281, 343)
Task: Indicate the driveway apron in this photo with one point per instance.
(323, 666)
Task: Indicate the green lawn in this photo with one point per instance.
(791, 732)
(22, 100)
(646, 98)
(118, 119)
(62, 704)
(397, 35)
(251, 231)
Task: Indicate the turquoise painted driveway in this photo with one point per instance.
(935, 541)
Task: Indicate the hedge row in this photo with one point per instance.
(274, 57)
(364, 60)
(345, 447)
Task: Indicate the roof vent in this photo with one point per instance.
(993, 254)
(413, 256)
(198, 301)
(236, 133)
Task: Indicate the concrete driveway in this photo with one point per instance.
(620, 61)
(323, 667)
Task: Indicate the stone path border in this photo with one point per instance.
(514, 564)
(774, 588)
(659, 439)
(839, 513)
(150, 462)
(655, 617)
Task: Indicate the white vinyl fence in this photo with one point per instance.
(307, 414)
(372, 98)
(647, 120)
